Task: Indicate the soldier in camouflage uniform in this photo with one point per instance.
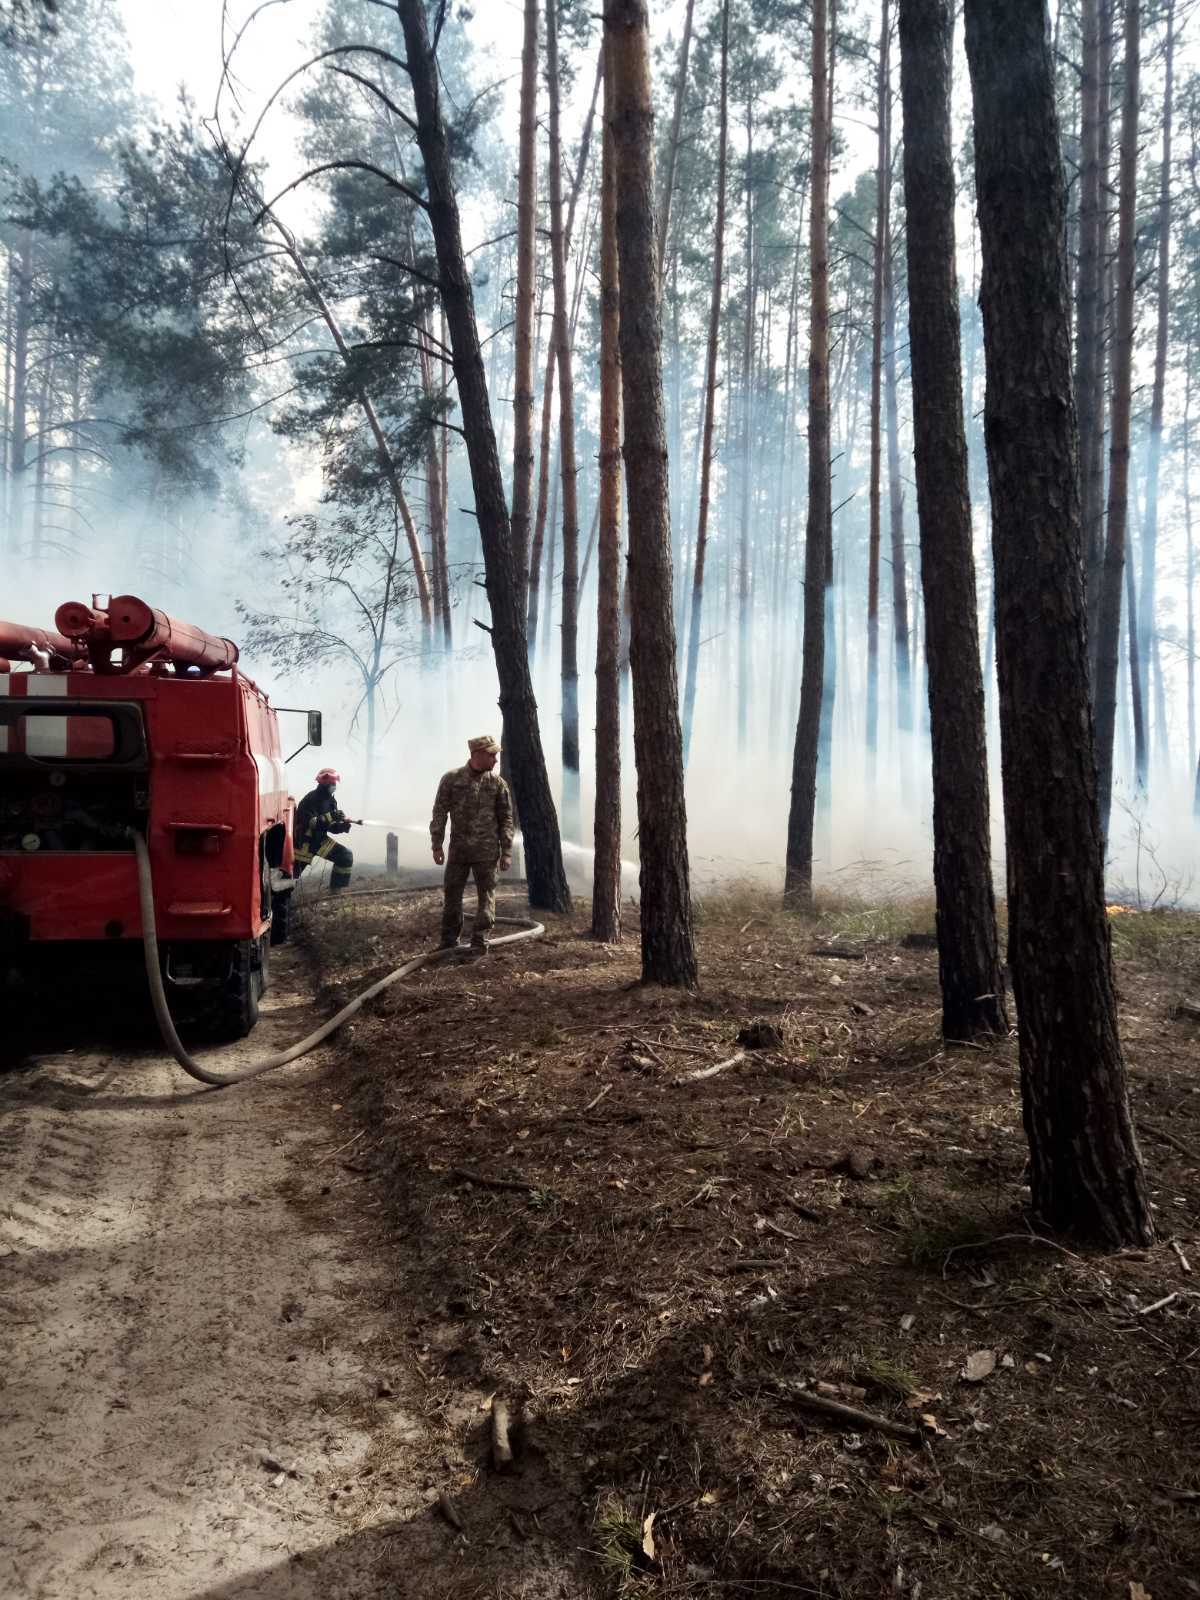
(478, 803)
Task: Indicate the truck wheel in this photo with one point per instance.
(281, 917)
(237, 1007)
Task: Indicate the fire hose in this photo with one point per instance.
(526, 929)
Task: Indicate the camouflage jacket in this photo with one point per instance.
(480, 810)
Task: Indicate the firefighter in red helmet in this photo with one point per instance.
(317, 817)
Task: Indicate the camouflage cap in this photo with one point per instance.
(484, 742)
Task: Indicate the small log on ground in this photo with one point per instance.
(502, 1455)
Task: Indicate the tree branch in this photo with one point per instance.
(341, 166)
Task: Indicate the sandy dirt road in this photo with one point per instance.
(172, 1322)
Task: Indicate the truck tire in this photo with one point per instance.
(237, 1006)
(281, 917)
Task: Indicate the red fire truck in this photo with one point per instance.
(123, 720)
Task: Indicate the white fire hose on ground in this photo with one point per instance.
(526, 929)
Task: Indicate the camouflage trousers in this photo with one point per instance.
(457, 872)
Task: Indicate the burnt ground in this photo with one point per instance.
(652, 1264)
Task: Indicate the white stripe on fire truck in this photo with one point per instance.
(272, 775)
(46, 736)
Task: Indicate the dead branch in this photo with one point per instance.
(1184, 1264)
(711, 1072)
(845, 1413)
(485, 1182)
(447, 1507)
(501, 1449)
(1013, 1238)
(1159, 1304)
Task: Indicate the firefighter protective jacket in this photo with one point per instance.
(480, 810)
(316, 818)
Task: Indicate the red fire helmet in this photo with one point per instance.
(328, 775)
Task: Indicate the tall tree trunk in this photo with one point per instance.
(668, 950)
(1089, 319)
(543, 850)
(829, 685)
(435, 509)
(1148, 602)
(18, 463)
(539, 524)
(569, 632)
(783, 494)
(1094, 464)
(882, 188)
(968, 954)
(6, 434)
(522, 487)
(802, 811)
(1086, 1169)
(668, 187)
(710, 398)
(543, 503)
(900, 632)
(606, 867)
(1109, 625)
(743, 576)
(443, 545)
(42, 458)
(1137, 704)
(1189, 566)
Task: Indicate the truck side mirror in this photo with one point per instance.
(314, 727)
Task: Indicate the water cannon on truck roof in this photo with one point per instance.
(129, 722)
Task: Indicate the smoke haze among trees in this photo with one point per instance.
(239, 399)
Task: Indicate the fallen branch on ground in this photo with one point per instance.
(711, 1072)
(493, 1183)
(446, 1506)
(501, 1449)
(845, 1413)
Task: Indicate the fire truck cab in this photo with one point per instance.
(124, 720)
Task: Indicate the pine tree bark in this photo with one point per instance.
(1089, 318)
(606, 873)
(968, 953)
(882, 164)
(544, 473)
(543, 849)
(710, 397)
(1086, 1170)
(797, 889)
(1190, 571)
(522, 490)
(1148, 603)
(743, 571)
(1112, 578)
(900, 631)
(19, 437)
(569, 630)
(668, 188)
(668, 949)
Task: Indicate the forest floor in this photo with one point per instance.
(655, 1265)
(252, 1337)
